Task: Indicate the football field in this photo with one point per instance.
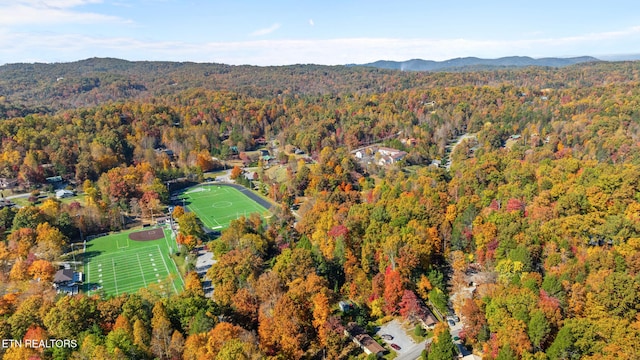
(116, 263)
(218, 205)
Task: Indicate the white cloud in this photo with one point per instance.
(38, 12)
(265, 31)
(311, 22)
(50, 3)
(51, 47)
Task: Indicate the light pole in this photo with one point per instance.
(75, 265)
(151, 210)
(80, 227)
(84, 243)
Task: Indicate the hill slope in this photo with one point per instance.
(477, 63)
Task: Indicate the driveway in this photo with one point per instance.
(455, 332)
(204, 261)
(409, 350)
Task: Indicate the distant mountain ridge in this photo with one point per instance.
(39, 88)
(477, 63)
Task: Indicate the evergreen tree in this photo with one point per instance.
(442, 347)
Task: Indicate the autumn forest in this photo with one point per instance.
(516, 207)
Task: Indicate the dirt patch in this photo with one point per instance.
(147, 235)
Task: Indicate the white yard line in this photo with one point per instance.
(115, 280)
(168, 272)
(88, 276)
(169, 247)
(141, 271)
(123, 247)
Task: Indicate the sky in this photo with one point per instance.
(328, 32)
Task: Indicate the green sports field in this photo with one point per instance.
(217, 205)
(116, 264)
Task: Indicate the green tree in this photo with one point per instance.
(7, 214)
(190, 225)
(121, 340)
(71, 315)
(506, 353)
(539, 329)
(442, 347)
(563, 346)
(438, 299)
(26, 315)
(27, 217)
(620, 295)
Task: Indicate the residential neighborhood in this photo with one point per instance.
(379, 155)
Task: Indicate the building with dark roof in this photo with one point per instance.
(67, 281)
(363, 340)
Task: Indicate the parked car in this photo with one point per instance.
(395, 346)
(387, 336)
(451, 323)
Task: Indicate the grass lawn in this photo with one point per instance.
(115, 264)
(213, 175)
(24, 201)
(217, 206)
(277, 173)
(81, 198)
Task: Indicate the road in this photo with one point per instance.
(414, 352)
(16, 196)
(455, 332)
(454, 145)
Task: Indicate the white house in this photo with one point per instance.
(60, 194)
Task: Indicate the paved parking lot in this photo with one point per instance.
(409, 350)
(204, 261)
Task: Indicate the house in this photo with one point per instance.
(63, 193)
(345, 306)
(427, 320)
(391, 155)
(163, 220)
(384, 160)
(168, 152)
(363, 340)
(54, 179)
(398, 156)
(250, 175)
(6, 183)
(67, 281)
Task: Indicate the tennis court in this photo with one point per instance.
(116, 264)
(218, 205)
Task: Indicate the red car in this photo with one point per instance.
(395, 346)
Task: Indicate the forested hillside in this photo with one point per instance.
(544, 203)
